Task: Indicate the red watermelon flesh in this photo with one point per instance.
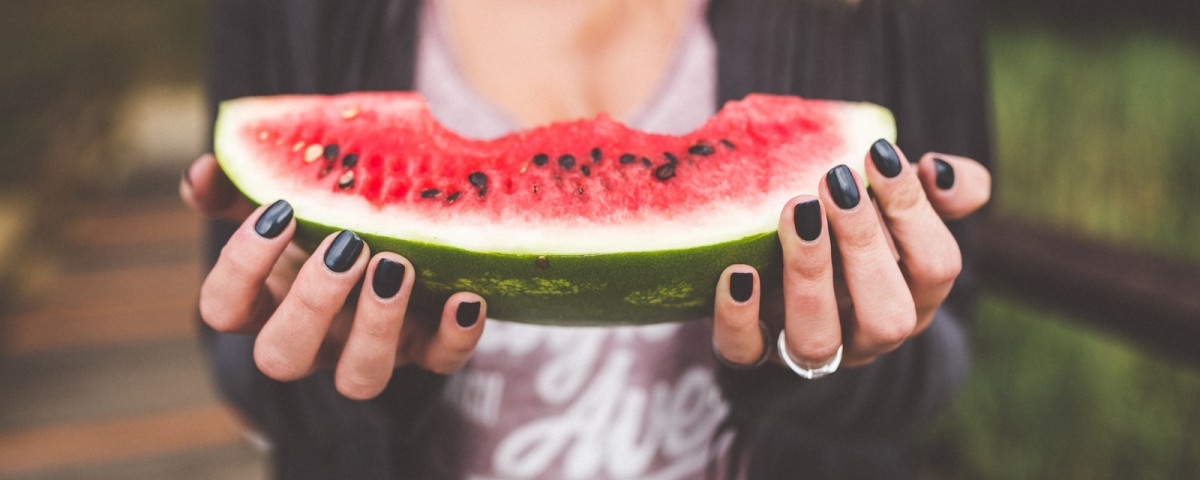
(592, 190)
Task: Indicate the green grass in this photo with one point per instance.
(1096, 132)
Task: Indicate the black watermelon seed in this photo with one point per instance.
(331, 152)
(567, 162)
(350, 160)
(453, 196)
(670, 157)
(325, 171)
(728, 143)
(346, 181)
(431, 193)
(540, 159)
(597, 155)
(646, 162)
(586, 171)
(665, 171)
(479, 181)
(702, 149)
(628, 158)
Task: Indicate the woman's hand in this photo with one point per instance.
(893, 266)
(302, 308)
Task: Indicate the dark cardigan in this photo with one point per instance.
(921, 58)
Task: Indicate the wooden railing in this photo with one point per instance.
(1151, 300)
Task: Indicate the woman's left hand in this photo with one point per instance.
(894, 264)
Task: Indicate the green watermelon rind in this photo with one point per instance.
(579, 290)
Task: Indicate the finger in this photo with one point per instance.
(232, 297)
(370, 353)
(205, 188)
(883, 313)
(956, 186)
(812, 324)
(930, 258)
(737, 337)
(287, 346)
(458, 332)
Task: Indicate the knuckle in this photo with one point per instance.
(357, 387)
(814, 351)
(938, 270)
(276, 365)
(806, 301)
(450, 357)
(737, 321)
(377, 330)
(907, 197)
(807, 269)
(444, 367)
(313, 304)
(460, 350)
(238, 264)
(894, 328)
(214, 315)
(217, 311)
(860, 234)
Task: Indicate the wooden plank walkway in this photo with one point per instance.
(101, 373)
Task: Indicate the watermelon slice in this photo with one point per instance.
(582, 222)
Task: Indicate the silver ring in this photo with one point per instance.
(808, 373)
(766, 337)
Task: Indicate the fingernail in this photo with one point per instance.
(741, 286)
(389, 275)
(885, 158)
(945, 174)
(274, 219)
(467, 314)
(343, 251)
(842, 187)
(807, 218)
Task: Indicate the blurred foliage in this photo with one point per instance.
(68, 65)
(1048, 400)
(1099, 132)
(1095, 130)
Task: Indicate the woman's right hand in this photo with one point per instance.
(301, 307)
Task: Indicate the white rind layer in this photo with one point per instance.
(713, 224)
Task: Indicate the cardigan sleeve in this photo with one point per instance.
(260, 47)
(924, 60)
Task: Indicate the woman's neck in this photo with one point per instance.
(546, 60)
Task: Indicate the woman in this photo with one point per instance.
(540, 402)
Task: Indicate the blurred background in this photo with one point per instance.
(1087, 345)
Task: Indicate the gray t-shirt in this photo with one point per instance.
(581, 402)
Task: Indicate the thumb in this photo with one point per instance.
(205, 188)
(956, 186)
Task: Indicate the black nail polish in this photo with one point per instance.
(885, 158)
(741, 286)
(807, 218)
(945, 174)
(274, 219)
(467, 314)
(842, 187)
(389, 275)
(343, 251)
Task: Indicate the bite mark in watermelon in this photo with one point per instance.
(581, 222)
